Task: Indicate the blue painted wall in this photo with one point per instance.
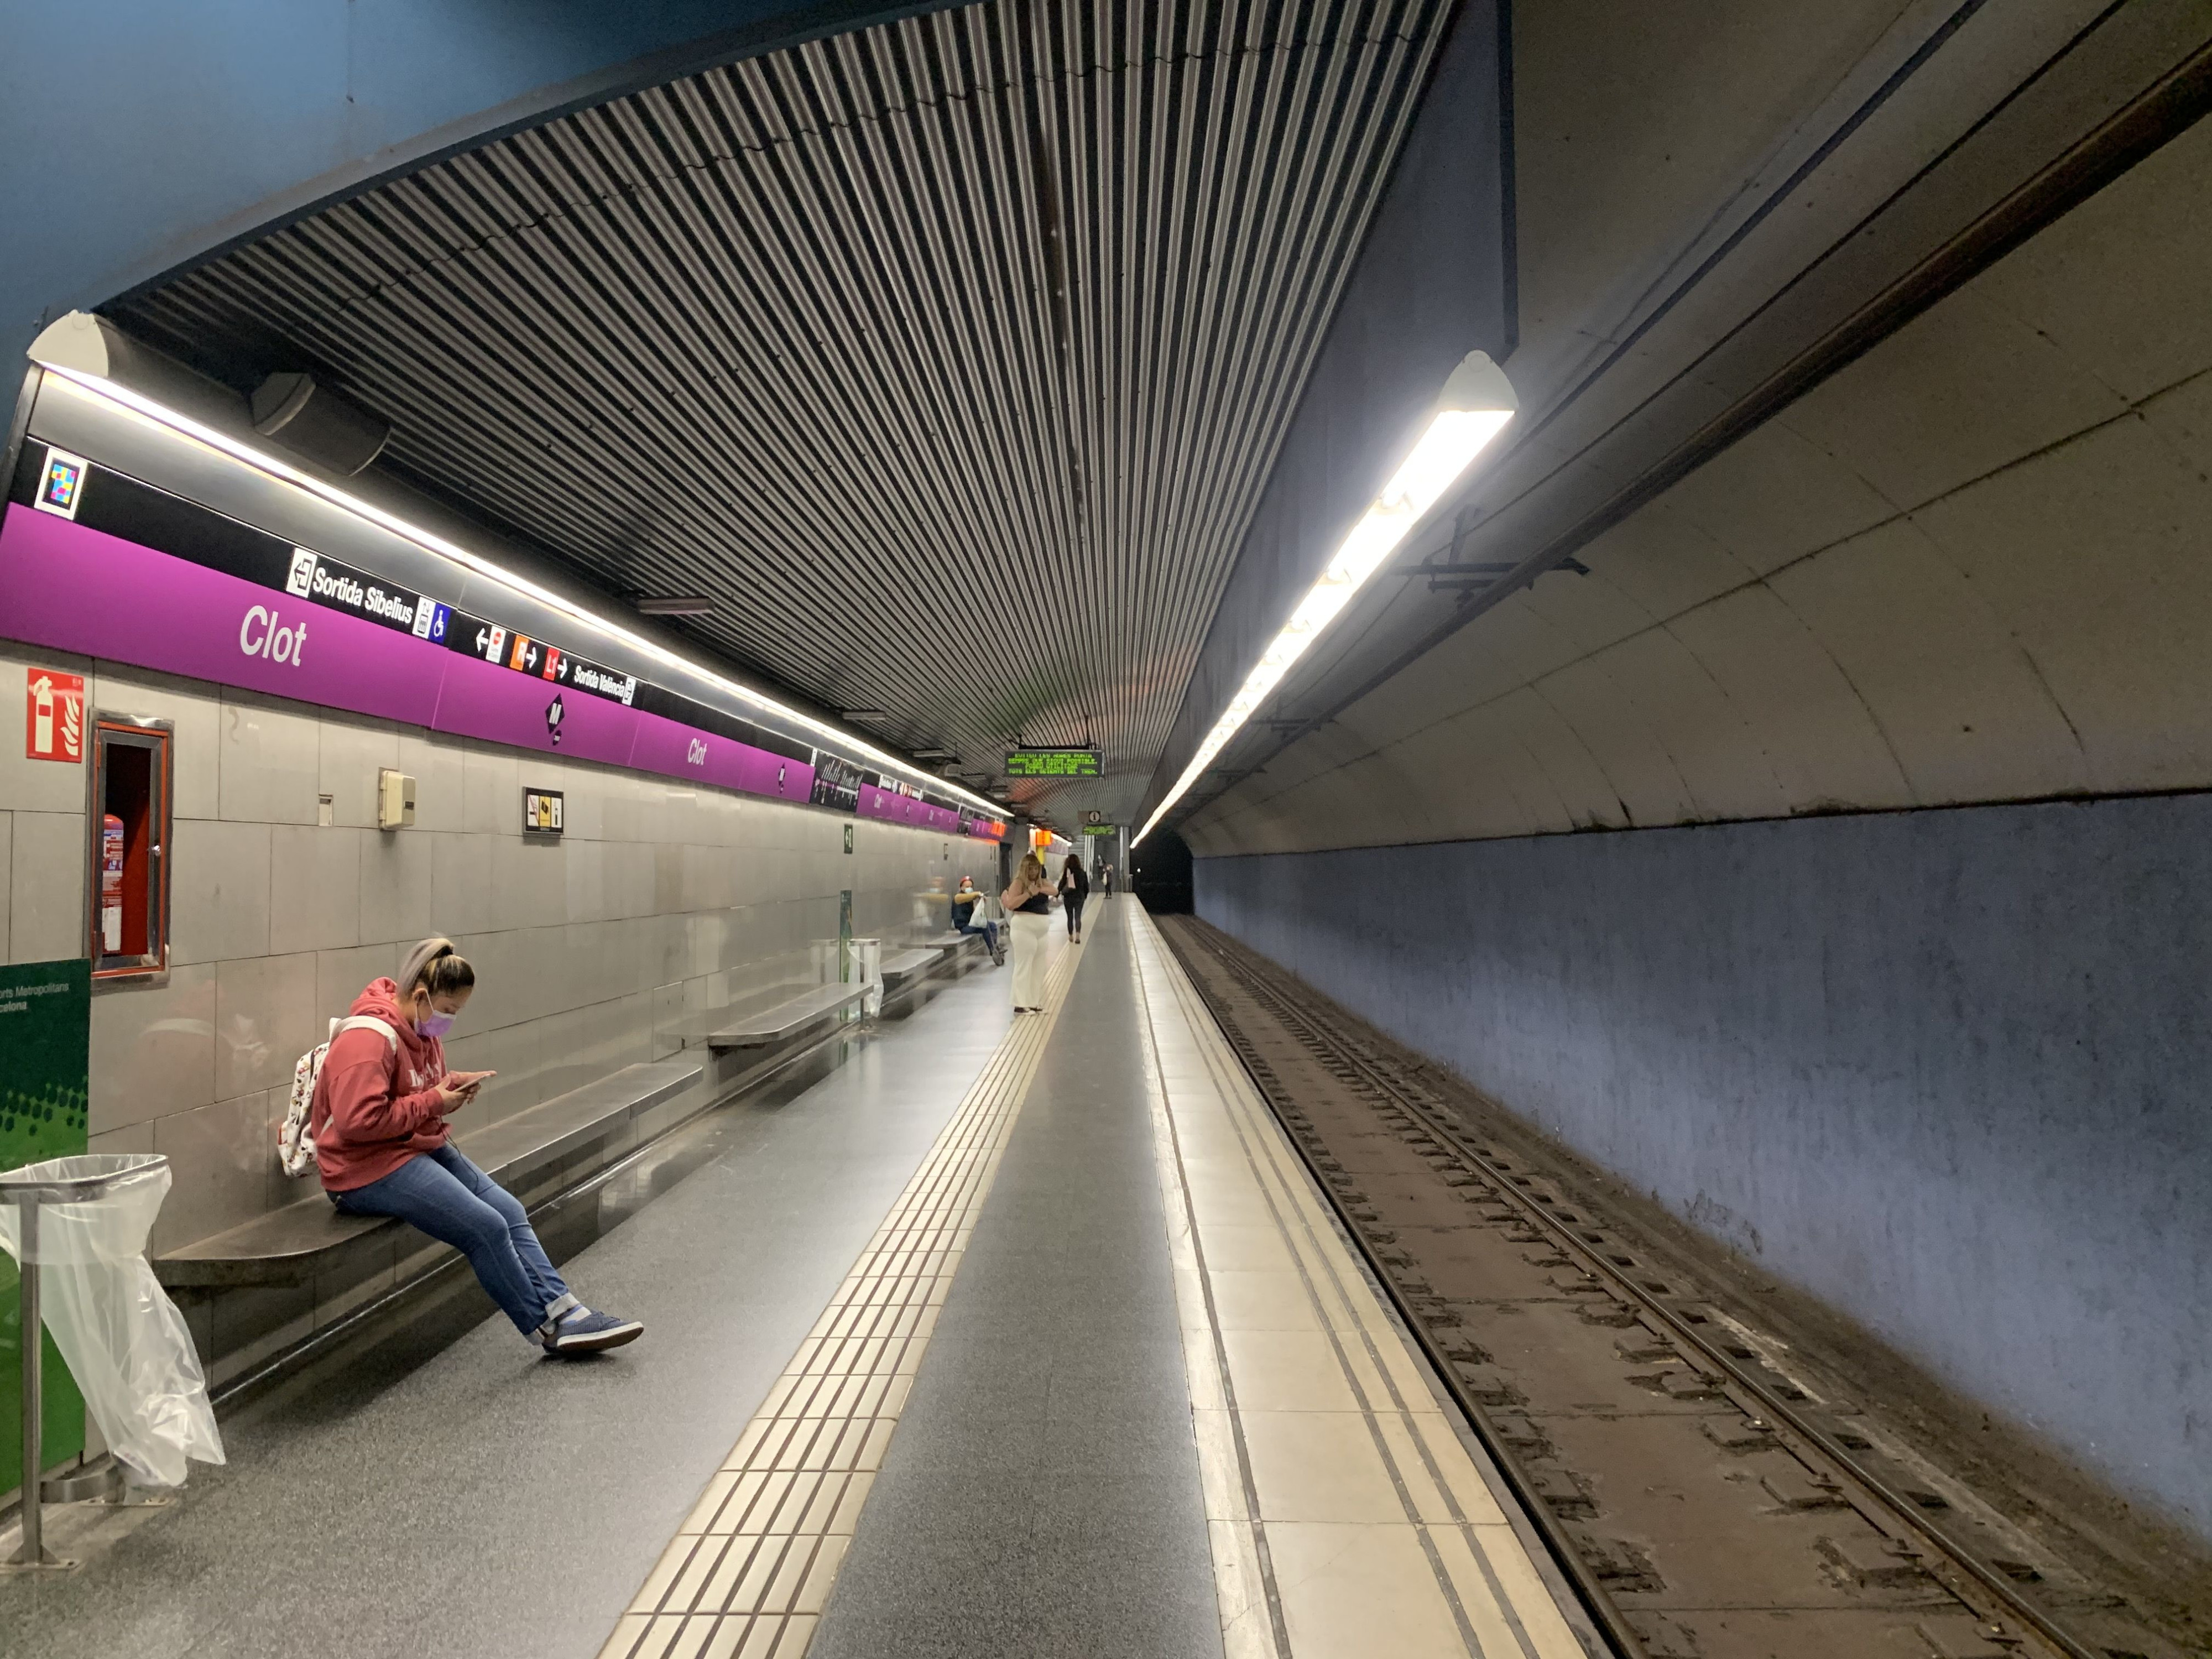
(140, 134)
(1949, 1071)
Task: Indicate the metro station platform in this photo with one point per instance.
(1008, 1336)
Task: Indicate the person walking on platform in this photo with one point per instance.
(1075, 888)
(1029, 905)
(1106, 880)
(384, 1147)
(965, 902)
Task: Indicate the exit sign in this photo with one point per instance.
(1054, 763)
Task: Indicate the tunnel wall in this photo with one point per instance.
(1945, 1069)
(660, 904)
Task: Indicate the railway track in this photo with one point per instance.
(1706, 1496)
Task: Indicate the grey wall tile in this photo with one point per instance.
(314, 888)
(398, 885)
(271, 762)
(340, 974)
(223, 1158)
(152, 1049)
(349, 754)
(47, 864)
(7, 882)
(491, 792)
(436, 764)
(266, 1017)
(195, 709)
(460, 883)
(131, 1138)
(220, 908)
(529, 882)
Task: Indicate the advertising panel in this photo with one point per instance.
(45, 1025)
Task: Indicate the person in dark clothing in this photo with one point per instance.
(1075, 888)
(963, 920)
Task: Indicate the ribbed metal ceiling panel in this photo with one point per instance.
(949, 356)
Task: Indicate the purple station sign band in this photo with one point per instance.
(236, 607)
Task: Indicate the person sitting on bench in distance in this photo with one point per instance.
(963, 920)
(383, 1146)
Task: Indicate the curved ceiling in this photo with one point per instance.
(1762, 233)
(948, 356)
(1973, 565)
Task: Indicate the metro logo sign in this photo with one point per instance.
(53, 715)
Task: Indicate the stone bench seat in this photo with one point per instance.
(907, 964)
(290, 1246)
(951, 939)
(782, 1021)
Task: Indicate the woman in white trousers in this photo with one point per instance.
(1029, 907)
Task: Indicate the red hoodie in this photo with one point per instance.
(375, 1108)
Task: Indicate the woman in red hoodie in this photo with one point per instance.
(381, 1143)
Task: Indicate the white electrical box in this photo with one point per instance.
(395, 799)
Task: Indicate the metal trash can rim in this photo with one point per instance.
(43, 1183)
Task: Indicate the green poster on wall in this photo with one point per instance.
(46, 1030)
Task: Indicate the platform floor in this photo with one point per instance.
(1010, 1335)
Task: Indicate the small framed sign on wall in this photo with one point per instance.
(541, 812)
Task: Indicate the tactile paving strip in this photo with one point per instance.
(748, 1574)
(1346, 1516)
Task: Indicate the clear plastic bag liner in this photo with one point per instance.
(123, 1338)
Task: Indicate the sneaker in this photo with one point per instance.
(582, 1331)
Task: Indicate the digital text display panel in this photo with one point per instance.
(1054, 763)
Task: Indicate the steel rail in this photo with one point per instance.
(1455, 1137)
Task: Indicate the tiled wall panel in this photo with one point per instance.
(661, 905)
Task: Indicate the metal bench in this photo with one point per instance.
(292, 1245)
(782, 1021)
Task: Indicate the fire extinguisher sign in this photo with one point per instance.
(53, 715)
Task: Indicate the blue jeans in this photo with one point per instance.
(989, 930)
(456, 1203)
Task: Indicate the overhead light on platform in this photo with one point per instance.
(76, 349)
(1473, 409)
(676, 605)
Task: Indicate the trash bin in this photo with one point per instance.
(77, 1229)
(862, 962)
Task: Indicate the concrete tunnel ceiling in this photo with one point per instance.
(949, 357)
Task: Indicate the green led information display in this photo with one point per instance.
(1053, 763)
(1102, 829)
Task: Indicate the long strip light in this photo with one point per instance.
(137, 402)
(1473, 409)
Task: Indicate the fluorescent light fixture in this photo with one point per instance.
(676, 605)
(1473, 409)
(137, 404)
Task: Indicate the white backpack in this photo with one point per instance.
(296, 1147)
